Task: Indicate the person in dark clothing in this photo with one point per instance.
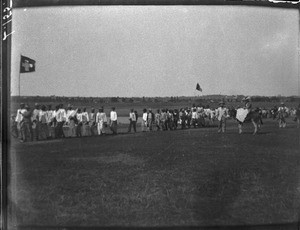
(132, 120)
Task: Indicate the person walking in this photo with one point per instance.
(92, 122)
(60, 117)
(43, 127)
(144, 120)
(50, 122)
(281, 115)
(26, 124)
(19, 119)
(150, 119)
(101, 121)
(85, 123)
(71, 120)
(35, 122)
(79, 123)
(114, 121)
(132, 120)
(158, 120)
(222, 114)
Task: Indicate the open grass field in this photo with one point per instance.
(192, 177)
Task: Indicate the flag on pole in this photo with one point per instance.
(27, 65)
(198, 87)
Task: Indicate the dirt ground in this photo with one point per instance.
(192, 177)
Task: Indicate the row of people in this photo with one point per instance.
(42, 122)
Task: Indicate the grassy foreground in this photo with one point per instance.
(193, 177)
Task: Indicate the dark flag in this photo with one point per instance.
(198, 87)
(27, 65)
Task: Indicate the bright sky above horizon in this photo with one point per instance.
(153, 51)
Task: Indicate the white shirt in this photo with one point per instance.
(194, 115)
(282, 109)
(92, 117)
(50, 115)
(43, 117)
(19, 116)
(145, 115)
(101, 117)
(35, 115)
(71, 113)
(221, 113)
(63, 114)
(132, 116)
(60, 115)
(113, 116)
(85, 116)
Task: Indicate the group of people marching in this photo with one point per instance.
(43, 122)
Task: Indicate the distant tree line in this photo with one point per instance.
(102, 100)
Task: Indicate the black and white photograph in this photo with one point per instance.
(151, 115)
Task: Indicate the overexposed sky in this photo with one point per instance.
(156, 50)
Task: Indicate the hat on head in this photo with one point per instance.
(221, 103)
(282, 103)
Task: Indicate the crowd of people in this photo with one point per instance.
(42, 122)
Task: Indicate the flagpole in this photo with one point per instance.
(20, 77)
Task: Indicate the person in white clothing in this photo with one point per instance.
(60, 117)
(113, 121)
(101, 121)
(195, 117)
(35, 122)
(70, 119)
(282, 112)
(221, 115)
(19, 119)
(144, 120)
